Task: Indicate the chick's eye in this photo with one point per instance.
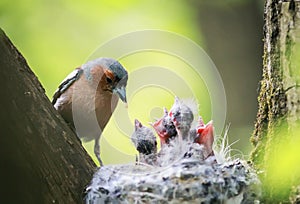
(108, 80)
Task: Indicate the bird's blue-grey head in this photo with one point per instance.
(121, 77)
(119, 81)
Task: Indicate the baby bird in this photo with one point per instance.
(205, 137)
(88, 96)
(144, 141)
(165, 128)
(182, 117)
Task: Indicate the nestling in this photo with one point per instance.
(89, 95)
(143, 139)
(182, 117)
(205, 136)
(165, 128)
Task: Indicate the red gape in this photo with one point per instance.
(161, 131)
(205, 136)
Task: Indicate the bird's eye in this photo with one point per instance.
(108, 80)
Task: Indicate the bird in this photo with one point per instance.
(182, 116)
(177, 122)
(165, 128)
(144, 141)
(205, 136)
(88, 96)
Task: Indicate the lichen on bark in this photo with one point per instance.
(279, 97)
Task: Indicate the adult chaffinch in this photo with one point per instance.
(90, 93)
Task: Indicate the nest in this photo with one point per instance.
(185, 169)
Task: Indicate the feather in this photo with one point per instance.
(67, 82)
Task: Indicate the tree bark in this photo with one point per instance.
(279, 98)
(42, 161)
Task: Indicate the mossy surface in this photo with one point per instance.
(279, 93)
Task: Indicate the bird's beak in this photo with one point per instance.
(121, 92)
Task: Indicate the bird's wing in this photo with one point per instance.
(66, 83)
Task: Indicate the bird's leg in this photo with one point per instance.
(97, 151)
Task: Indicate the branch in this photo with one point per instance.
(42, 160)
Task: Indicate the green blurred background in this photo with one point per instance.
(57, 36)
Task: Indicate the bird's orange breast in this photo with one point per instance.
(105, 104)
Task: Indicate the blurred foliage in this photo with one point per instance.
(57, 36)
(282, 170)
(223, 3)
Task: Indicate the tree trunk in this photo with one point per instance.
(42, 161)
(279, 98)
